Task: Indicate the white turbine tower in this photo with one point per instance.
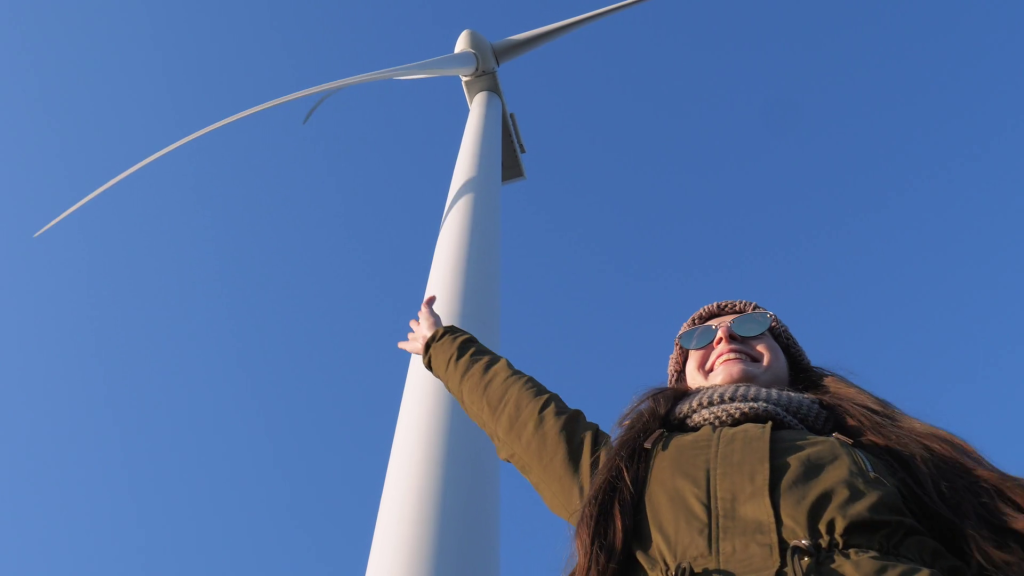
(438, 513)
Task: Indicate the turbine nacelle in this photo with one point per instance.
(485, 79)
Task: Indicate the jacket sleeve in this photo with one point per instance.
(552, 445)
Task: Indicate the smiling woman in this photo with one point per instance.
(742, 352)
(751, 461)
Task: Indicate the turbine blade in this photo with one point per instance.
(515, 46)
(457, 64)
(332, 92)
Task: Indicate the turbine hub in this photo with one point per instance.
(473, 41)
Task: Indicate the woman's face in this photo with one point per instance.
(733, 359)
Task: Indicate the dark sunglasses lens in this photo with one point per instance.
(751, 324)
(697, 338)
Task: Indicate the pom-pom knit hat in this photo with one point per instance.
(795, 355)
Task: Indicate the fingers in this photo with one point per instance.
(411, 347)
(414, 345)
(421, 328)
(428, 316)
(427, 308)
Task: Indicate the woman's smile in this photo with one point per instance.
(730, 357)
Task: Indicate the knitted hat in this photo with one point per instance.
(795, 355)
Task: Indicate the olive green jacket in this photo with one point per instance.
(722, 501)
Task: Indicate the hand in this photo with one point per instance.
(422, 328)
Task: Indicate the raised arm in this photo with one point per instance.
(552, 445)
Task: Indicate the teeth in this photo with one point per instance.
(731, 356)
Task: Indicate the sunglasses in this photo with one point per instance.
(746, 325)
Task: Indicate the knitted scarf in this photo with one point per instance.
(736, 404)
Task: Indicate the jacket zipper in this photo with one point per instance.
(714, 527)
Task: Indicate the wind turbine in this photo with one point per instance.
(438, 513)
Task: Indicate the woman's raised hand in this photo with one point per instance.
(422, 328)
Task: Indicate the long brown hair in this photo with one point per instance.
(970, 507)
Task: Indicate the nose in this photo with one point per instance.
(725, 335)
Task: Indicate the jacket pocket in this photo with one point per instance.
(651, 445)
(863, 462)
(855, 562)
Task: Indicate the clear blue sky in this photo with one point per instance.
(199, 373)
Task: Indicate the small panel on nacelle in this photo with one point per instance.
(512, 169)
